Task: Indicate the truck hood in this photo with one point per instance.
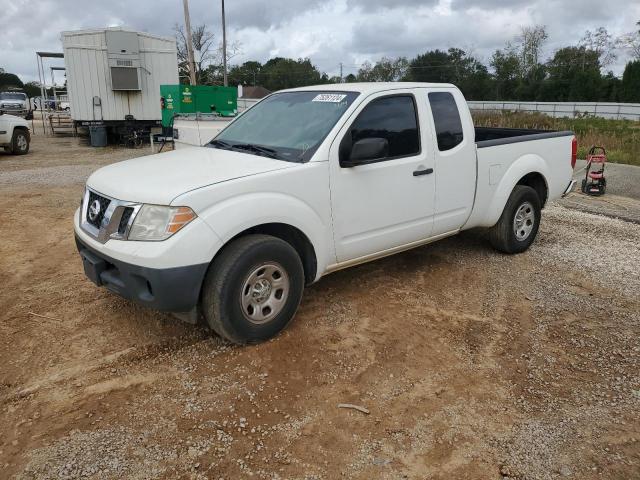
(14, 119)
(160, 178)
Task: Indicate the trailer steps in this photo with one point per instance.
(61, 124)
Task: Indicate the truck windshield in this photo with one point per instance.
(288, 126)
(12, 96)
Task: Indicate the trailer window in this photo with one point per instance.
(446, 119)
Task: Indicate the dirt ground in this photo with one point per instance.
(472, 364)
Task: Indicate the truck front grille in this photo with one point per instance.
(124, 220)
(96, 209)
(105, 218)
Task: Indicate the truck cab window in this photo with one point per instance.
(392, 118)
(446, 119)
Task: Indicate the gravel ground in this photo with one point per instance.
(60, 175)
(472, 364)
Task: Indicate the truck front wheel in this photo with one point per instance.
(20, 142)
(518, 225)
(252, 289)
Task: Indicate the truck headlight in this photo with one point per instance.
(156, 222)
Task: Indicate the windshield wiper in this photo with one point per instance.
(269, 152)
(220, 143)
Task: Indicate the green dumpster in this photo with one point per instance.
(187, 99)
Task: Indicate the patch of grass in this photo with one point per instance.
(621, 138)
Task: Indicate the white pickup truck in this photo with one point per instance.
(16, 103)
(14, 134)
(307, 182)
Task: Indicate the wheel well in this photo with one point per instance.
(536, 181)
(293, 237)
(22, 128)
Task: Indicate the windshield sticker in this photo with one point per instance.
(329, 97)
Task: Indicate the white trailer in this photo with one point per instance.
(114, 76)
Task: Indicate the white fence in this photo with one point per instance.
(246, 103)
(616, 111)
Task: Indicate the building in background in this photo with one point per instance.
(114, 77)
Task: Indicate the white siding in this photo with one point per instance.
(88, 75)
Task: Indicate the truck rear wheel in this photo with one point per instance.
(518, 225)
(20, 142)
(252, 289)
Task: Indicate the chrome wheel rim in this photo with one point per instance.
(264, 292)
(524, 221)
(22, 142)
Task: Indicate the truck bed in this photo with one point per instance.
(492, 136)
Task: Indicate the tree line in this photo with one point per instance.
(515, 72)
(11, 80)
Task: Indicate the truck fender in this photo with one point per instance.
(529, 163)
(242, 212)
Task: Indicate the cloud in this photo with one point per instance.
(330, 32)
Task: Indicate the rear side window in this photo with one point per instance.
(393, 118)
(446, 119)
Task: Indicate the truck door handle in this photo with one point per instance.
(426, 171)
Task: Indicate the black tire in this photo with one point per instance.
(503, 234)
(222, 293)
(20, 142)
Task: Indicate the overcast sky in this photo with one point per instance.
(327, 31)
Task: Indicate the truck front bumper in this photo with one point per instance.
(174, 289)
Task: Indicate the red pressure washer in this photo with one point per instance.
(594, 182)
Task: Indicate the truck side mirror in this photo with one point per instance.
(367, 150)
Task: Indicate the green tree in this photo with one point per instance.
(385, 70)
(433, 66)
(631, 82)
(469, 74)
(32, 89)
(245, 74)
(279, 73)
(9, 80)
(611, 88)
(453, 66)
(573, 75)
(530, 87)
(506, 76)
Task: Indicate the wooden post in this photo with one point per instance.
(191, 60)
(224, 48)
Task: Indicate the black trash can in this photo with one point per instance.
(98, 136)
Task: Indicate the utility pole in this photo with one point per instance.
(224, 47)
(191, 60)
(341, 77)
